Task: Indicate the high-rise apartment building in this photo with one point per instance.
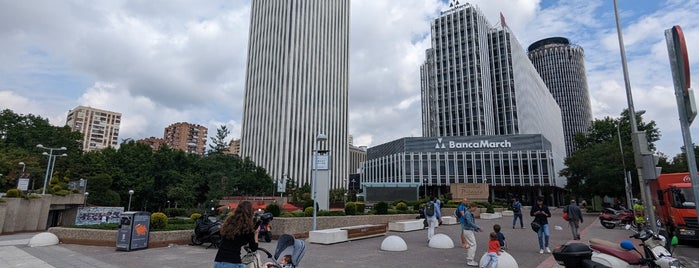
(296, 87)
(233, 147)
(562, 67)
(153, 142)
(100, 128)
(190, 138)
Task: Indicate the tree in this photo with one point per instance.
(219, 142)
(597, 166)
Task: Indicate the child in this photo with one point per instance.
(285, 262)
(491, 258)
(501, 237)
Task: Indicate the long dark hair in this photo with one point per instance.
(239, 223)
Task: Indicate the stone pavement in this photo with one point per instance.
(523, 246)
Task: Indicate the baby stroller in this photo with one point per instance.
(287, 245)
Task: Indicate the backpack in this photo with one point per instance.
(429, 209)
(457, 214)
(516, 206)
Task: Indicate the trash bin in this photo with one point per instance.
(134, 227)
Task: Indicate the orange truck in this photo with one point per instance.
(674, 202)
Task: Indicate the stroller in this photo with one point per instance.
(287, 245)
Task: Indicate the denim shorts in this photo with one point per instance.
(218, 264)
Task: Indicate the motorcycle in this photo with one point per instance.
(602, 253)
(262, 220)
(611, 218)
(206, 231)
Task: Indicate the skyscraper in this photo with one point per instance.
(562, 67)
(296, 87)
(100, 128)
(477, 81)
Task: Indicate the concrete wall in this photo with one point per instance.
(28, 215)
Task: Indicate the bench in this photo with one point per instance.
(337, 235)
(406, 226)
(508, 213)
(449, 220)
(490, 216)
(365, 231)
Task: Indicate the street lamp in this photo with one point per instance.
(51, 162)
(23, 166)
(85, 201)
(168, 204)
(319, 138)
(130, 194)
(425, 185)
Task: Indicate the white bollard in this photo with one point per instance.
(394, 243)
(441, 241)
(505, 260)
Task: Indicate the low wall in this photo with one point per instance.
(30, 215)
(300, 226)
(95, 237)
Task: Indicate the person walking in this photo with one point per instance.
(574, 218)
(236, 231)
(541, 213)
(461, 211)
(517, 213)
(469, 227)
(432, 214)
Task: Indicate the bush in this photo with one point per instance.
(195, 216)
(308, 203)
(13, 193)
(56, 188)
(274, 209)
(381, 208)
(350, 208)
(175, 212)
(158, 220)
(402, 206)
(308, 211)
(489, 208)
(361, 207)
(331, 213)
(62, 192)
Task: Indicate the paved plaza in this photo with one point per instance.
(523, 246)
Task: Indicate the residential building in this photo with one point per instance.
(234, 147)
(100, 128)
(562, 67)
(296, 87)
(187, 137)
(153, 142)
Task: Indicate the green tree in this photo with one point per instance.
(219, 142)
(597, 166)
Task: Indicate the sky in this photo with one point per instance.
(161, 62)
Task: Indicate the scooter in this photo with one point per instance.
(263, 221)
(206, 231)
(611, 218)
(626, 255)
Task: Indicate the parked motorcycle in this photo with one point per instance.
(206, 231)
(263, 221)
(626, 255)
(611, 218)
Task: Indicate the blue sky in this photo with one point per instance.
(161, 62)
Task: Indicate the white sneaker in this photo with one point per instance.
(541, 251)
(548, 250)
(472, 263)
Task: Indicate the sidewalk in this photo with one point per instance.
(523, 246)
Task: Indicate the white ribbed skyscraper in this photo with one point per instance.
(296, 87)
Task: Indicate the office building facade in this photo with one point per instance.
(100, 128)
(562, 67)
(187, 137)
(296, 87)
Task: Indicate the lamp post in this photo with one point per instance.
(23, 166)
(51, 162)
(130, 194)
(168, 204)
(627, 180)
(85, 201)
(425, 185)
(319, 138)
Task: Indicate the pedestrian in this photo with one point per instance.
(541, 213)
(432, 214)
(491, 258)
(439, 204)
(236, 231)
(469, 227)
(638, 211)
(461, 210)
(574, 218)
(501, 237)
(517, 213)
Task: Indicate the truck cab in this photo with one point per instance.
(675, 205)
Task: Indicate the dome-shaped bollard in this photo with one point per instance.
(441, 241)
(505, 260)
(394, 243)
(43, 239)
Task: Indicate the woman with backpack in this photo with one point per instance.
(517, 212)
(432, 214)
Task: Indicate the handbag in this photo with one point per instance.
(249, 258)
(535, 226)
(565, 216)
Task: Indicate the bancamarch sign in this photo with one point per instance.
(477, 144)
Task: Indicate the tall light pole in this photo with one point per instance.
(130, 194)
(23, 166)
(627, 180)
(319, 138)
(425, 185)
(85, 201)
(51, 163)
(643, 157)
